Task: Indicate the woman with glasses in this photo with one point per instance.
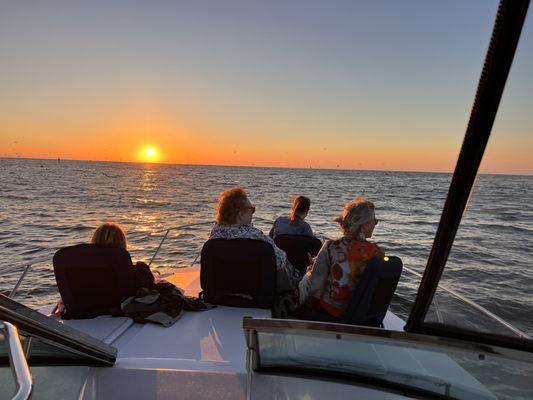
(327, 286)
(234, 221)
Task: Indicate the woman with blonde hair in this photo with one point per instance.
(328, 284)
(112, 235)
(109, 234)
(234, 220)
(294, 224)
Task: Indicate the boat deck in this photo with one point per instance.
(211, 340)
(203, 355)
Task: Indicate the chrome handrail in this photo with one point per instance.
(27, 266)
(158, 247)
(477, 307)
(21, 278)
(32, 262)
(17, 360)
(173, 228)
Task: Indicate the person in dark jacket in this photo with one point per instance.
(294, 224)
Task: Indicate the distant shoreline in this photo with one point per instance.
(255, 166)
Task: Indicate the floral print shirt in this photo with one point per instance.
(337, 270)
(287, 276)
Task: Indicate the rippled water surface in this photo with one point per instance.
(45, 205)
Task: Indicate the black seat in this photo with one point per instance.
(372, 295)
(238, 273)
(93, 280)
(297, 247)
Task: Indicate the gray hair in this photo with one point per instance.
(356, 213)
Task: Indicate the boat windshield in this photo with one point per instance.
(408, 363)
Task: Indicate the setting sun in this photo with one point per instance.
(150, 152)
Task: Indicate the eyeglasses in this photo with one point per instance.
(250, 208)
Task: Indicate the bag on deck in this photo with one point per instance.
(161, 302)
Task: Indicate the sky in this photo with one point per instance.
(380, 85)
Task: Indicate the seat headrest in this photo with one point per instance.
(238, 272)
(297, 248)
(92, 279)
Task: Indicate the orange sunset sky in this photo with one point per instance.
(332, 85)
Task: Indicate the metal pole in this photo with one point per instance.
(194, 261)
(14, 291)
(158, 247)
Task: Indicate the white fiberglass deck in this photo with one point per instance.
(203, 355)
(210, 340)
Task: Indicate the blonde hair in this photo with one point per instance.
(230, 202)
(109, 234)
(355, 214)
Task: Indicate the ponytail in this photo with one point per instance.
(300, 204)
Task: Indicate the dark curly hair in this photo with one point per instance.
(230, 202)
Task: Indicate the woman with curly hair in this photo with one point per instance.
(234, 220)
(329, 283)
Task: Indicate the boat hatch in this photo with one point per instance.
(46, 341)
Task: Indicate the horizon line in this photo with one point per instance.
(255, 166)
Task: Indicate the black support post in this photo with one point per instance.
(505, 35)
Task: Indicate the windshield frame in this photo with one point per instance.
(380, 334)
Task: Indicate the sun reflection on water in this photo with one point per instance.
(149, 181)
(148, 223)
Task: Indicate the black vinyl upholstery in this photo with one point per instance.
(93, 280)
(297, 247)
(373, 294)
(238, 273)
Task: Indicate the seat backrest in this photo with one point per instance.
(238, 273)
(371, 297)
(297, 247)
(93, 280)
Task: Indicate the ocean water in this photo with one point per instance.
(46, 204)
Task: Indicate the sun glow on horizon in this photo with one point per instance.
(149, 154)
